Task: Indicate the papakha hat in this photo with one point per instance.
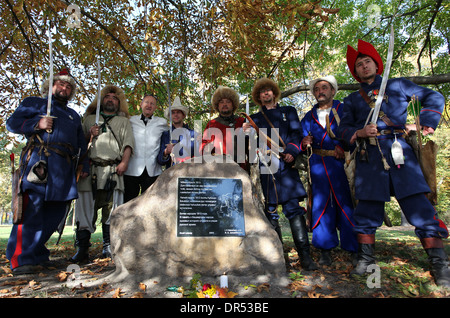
(265, 83)
(225, 92)
(364, 48)
(123, 103)
(176, 105)
(330, 79)
(61, 76)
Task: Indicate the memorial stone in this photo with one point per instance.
(197, 218)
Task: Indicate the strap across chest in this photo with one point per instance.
(371, 104)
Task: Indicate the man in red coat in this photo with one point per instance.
(220, 131)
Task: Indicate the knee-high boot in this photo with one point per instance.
(366, 252)
(438, 260)
(276, 226)
(82, 242)
(106, 241)
(301, 241)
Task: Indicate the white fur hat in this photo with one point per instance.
(330, 79)
(176, 105)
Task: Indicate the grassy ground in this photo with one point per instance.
(404, 270)
(404, 273)
(67, 236)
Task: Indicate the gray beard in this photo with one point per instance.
(109, 107)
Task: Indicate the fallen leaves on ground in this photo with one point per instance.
(118, 293)
(404, 274)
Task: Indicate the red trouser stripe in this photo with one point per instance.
(18, 250)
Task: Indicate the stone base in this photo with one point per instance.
(144, 233)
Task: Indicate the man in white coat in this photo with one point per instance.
(142, 168)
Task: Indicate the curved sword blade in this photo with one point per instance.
(387, 69)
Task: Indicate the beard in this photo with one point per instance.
(61, 95)
(110, 107)
(226, 113)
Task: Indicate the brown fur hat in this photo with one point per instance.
(225, 92)
(123, 103)
(265, 83)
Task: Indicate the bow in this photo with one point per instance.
(269, 141)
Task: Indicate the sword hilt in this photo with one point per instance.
(372, 140)
(49, 131)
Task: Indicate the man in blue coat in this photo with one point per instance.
(283, 186)
(184, 144)
(48, 168)
(332, 205)
(377, 176)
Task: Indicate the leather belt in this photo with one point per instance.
(324, 152)
(384, 132)
(105, 163)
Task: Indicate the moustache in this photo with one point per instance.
(61, 95)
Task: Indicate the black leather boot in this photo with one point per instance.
(106, 241)
(438, 260)
(366, 252)
(325, 258)
(276, 226)
(301, 241)
(439, 263)
(82, 242)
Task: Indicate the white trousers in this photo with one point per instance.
(84, 209)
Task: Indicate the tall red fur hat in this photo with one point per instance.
(364, 48)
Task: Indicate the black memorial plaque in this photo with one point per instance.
(210, 207)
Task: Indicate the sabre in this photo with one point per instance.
(380, 96)
(97, 111)
(247, 107)
(170, 110)
(50, 80)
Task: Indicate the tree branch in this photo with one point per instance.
(19, 24)
(427, 39)
(419, 80)
(130, 56)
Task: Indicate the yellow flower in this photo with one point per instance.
(210, 291)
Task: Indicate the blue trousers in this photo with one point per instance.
(26, 244)
(417, 209)
(325, 232)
